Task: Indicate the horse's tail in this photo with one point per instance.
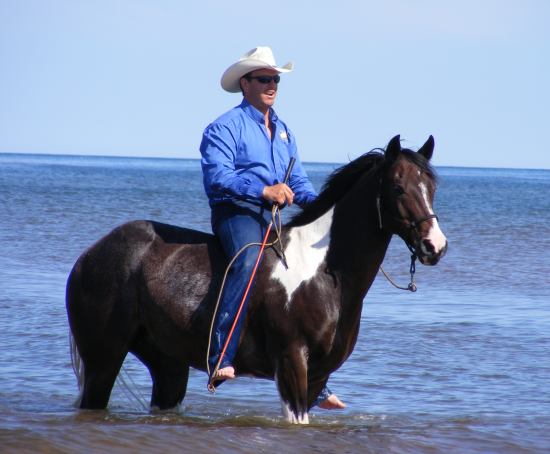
(78, 367)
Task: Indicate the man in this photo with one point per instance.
(245, 154)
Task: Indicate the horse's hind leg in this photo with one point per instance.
(169, 385)
(99, 377)
(102, 344)
(169, 375)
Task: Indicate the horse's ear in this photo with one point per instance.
(393, 148)
(427, 149)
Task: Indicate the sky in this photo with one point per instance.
(141, 78)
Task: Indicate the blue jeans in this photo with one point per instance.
(235, 224)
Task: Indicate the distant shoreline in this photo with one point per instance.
(8, 154)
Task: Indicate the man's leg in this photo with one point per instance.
(327, 400)
(235, 227)
(235, 286)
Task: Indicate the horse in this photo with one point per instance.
(150, 288)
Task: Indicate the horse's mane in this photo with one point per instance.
(338, 184)
(342, 180)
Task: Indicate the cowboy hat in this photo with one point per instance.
(257, 58)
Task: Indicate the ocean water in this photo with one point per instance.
(461, 366)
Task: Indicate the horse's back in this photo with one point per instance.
(138, 265)
(122, 250)
(171, 233)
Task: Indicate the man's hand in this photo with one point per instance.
(278, 193)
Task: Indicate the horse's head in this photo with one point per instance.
(407, 190)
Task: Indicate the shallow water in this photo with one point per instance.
(460, 366)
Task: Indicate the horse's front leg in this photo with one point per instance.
(291, 376)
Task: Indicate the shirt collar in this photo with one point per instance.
(255, 114)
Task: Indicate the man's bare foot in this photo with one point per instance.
(332, 403)
(225, 373)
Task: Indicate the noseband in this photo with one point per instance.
(415, 224)
(412, 225)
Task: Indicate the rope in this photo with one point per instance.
(278, 227)
(131, 391)
(123, 378)
(275, 215)
(412, 286)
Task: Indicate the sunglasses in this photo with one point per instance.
(265, 79)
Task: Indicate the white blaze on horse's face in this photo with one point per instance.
(435, 237)
(305, 251)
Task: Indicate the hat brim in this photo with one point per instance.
(231, 77)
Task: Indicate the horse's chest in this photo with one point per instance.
(305, 253)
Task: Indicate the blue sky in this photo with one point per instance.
(141, 78)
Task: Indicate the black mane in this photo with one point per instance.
(343, 178)
(338, 184)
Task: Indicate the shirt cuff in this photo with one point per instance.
(256, 189)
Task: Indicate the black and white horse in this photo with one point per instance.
(150, 288)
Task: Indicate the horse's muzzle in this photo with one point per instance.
(428, 254)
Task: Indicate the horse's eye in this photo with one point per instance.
(398, 190)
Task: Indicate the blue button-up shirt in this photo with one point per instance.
(239, 159)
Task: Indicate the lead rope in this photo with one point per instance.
(412, 286)
(275, 215)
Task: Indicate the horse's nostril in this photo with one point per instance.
(428, 247)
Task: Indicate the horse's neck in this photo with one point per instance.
(344, 241)
(358, 246)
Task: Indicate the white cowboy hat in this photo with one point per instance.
(257, 58)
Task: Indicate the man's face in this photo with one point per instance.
(261, 96)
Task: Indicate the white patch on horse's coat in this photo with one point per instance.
(435, 235)
(291, 417)
(288, 414)
(306, 249)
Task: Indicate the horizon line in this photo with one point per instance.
(71, 155)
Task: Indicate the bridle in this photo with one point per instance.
(415, 224)
(410, 225)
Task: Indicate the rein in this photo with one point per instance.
(413, 225)
(275, 214)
